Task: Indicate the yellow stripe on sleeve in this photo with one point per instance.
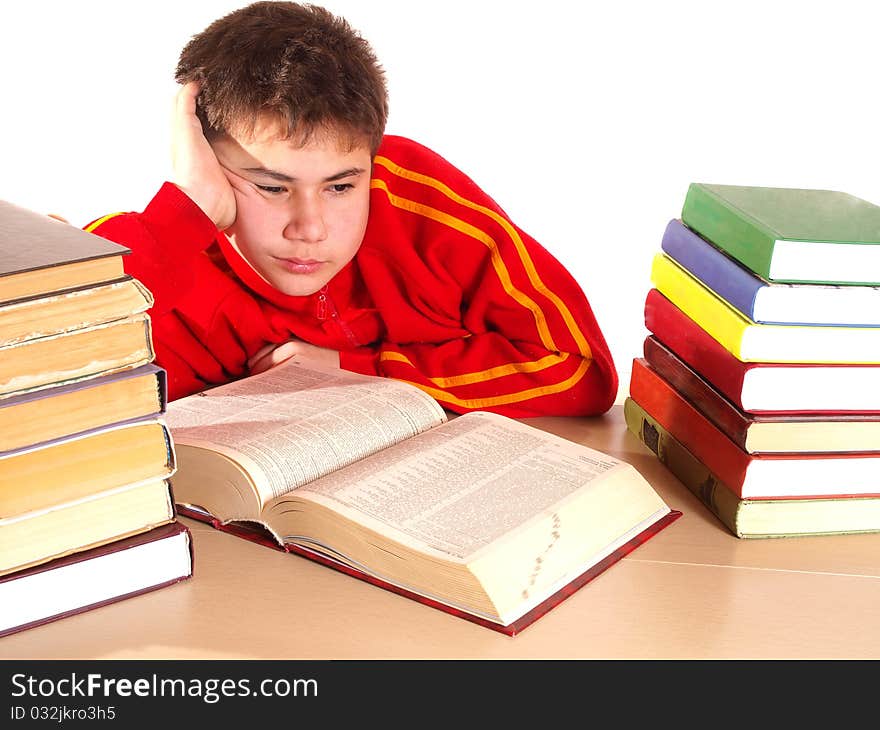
(528, 264)
(501, 400)
(483, 375)
(92, 226)
(485, 239)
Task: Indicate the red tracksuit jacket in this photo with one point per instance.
(444, 293)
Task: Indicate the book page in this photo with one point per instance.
(457, 488)
(299, 420)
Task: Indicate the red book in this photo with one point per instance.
(752, 476)
(765, 433)
(763, 387)
(482, 513)
(254, 533)
(93, 578)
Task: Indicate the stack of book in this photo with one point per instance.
(760, 382)
(86, 513)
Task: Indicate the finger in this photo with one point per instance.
(272, 355)
(184, 119)
(186, 97)
(182, 112)
(271, 359)
(260, 354)
(259, 366)
(284, 352)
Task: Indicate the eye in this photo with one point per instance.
(271, 189)
(340, 188)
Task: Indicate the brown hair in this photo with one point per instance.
(298, 63)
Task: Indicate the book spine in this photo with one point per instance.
(696, 348)
(720, 273)
(746, 239)
(718, 319)
(751, 342)
(689, 470)
(696, 433)
(733, 422)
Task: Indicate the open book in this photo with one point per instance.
(480, 515)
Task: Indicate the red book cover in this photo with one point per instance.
(822, 388)
(724, 414)
(252, 532)
(56, 576)
(736, 424)
(752, 476)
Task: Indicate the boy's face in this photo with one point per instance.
(301, 212)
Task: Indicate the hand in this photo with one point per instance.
(271, 355)
(196, 169)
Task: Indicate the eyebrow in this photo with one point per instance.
(282, 177)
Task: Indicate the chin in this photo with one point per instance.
(301, 288)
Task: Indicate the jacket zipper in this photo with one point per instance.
(324, 305)
(321, 312)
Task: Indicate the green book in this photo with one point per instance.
(752, 518)
(788, 234)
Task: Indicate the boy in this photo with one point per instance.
(295, 226)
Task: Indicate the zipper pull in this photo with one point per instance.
(321, 312)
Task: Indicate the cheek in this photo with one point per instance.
(254, 220)
(352, 222)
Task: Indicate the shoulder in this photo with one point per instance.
(413, 168)
(404, 149)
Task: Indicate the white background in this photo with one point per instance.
(585, 121)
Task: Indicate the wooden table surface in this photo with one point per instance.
(693, 591)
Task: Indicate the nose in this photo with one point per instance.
(306, 220)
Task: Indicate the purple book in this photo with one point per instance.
(46, 415)
(768, 302)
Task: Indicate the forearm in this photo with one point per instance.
(489, 372)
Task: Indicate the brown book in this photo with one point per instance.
(65, 410)
(480, 515)
(33, 478)
(76, 355)
(44, 316)
(39, 255)
(96, 577)
(57, 498)
(71, 526)
(68, 311)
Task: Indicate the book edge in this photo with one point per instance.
(167, 531)
(511, 629)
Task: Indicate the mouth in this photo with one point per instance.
(300, 266)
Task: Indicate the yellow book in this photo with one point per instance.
(67, 527)
(749, 341)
